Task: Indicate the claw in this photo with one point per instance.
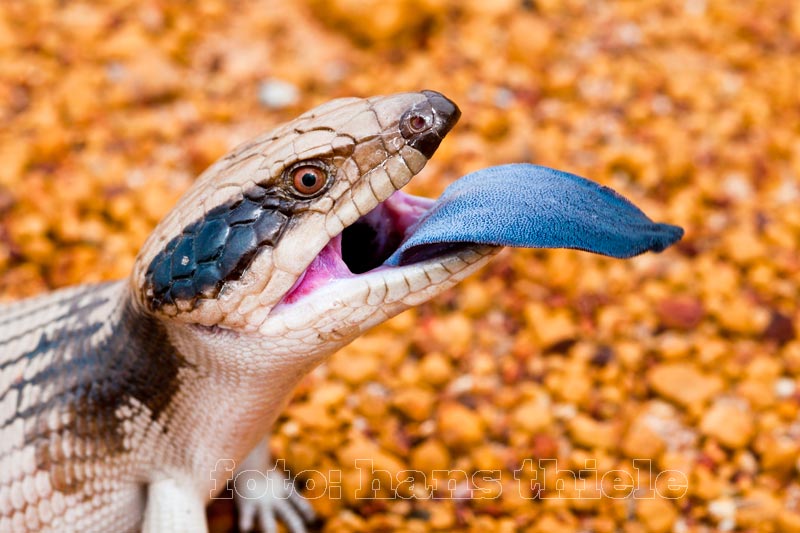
(302, 506)
(289, 515)
(271, 497)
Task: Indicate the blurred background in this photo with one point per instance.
(690, 358)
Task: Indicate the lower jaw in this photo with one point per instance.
(344, 308)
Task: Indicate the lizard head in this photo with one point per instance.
(285, 238)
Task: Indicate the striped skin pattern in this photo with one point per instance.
(118, 400)
(64, 454)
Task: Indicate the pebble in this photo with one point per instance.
(329, 394)
(789, 521)
(436, 369)
(443, 517)
(550, 522)
(354, 366)
(591, 433)
(724, 511)
(641, 440)
(277, 94)
(730, 422)
(460, 426)
(684, 383)
(658, 515)
(415, 402)
(778, 451)
(682, 313)
(758, 508)
(314, 416)
(785, 388)
(550, 327)
(453, 333)
(430, 455)
(705, 485)
(533, 415)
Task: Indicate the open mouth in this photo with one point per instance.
(365, 245)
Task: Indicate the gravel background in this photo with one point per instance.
(688, 359)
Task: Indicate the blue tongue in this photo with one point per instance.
(530, 206)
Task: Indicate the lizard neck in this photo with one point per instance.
(230, 391)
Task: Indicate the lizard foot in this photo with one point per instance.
(269, 497)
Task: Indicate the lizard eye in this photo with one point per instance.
(307, 179)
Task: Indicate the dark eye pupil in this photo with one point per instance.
(309, 179)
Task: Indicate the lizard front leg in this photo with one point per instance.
(174, 507)
(265, 492)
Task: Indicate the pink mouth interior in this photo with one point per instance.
(367, 243)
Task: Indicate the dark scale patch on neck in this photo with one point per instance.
(216, 249)
(134, 366)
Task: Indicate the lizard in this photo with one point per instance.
(118, 399)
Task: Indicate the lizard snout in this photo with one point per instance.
(425, 124)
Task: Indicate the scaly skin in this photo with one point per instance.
(118, 400)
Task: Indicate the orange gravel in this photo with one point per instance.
(657, 395)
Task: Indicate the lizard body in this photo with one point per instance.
(117, 400)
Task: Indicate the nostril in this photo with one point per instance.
(417, 123)
(417, 120)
